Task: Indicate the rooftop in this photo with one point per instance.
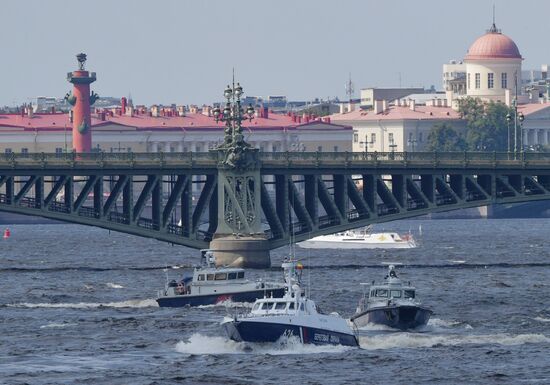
(192, 121)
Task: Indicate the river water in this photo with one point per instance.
(77, 307)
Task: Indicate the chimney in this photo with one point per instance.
(53, 109)
(130, 111)
(154, 111)
(384, 105)
(378, 106)
(351, 107)
(412, 105)
(123, 103)
(342, 108)
(266, 113)
(29, 111)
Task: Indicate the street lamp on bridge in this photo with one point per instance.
(518, 118)
(233, 115)
(366, 143)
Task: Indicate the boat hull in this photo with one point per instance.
(250, 331)
(312, 244)
(397, 317)
(212, 299)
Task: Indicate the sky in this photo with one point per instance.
(183, 51)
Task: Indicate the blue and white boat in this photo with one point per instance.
(293, 315)
(392, 303)
(210, 285)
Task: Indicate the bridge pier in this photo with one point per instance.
(239, 239)
(241, 251)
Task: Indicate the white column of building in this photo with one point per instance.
(166, 146)
(180, 146)
(154, 147)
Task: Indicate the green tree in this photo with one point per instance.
(443, 137)
(486, 125)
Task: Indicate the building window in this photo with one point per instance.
(372, 138)
(320, 148)
(490, 80)
(335, 148)
(419, 137)
(24, 150)
(355, 137)
(478, 80)
(469, 80)
(8, 151)
(504, 80)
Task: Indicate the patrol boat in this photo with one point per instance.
(210, 285)
(292, 315)
(392, 303)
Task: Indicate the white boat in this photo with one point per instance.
(360, 239)
(209, 285)
(292, 315)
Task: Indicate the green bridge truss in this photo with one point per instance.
(175, 197)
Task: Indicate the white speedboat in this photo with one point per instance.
(292, 315)
(210, 285)
(360, 239)
(392, 303)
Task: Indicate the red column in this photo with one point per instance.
(81, 102)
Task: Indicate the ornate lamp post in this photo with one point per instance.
(518, 117)
(233, 115)
(411, 142)
(392, 147)
(508, 120)
(366, 144)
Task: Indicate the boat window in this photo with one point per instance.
(381, 293)
(240, 274)
(201, 277)
(232, 276)
(221, 276)
(280, 306)
(408, 293)
(396, 294)
(209, 277)
(257, 306)
(302, 307)
(291, 306)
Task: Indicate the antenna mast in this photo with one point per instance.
(349, 89)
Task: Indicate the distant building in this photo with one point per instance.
(491, 70)
(454, 77)
(169, 129)
(400, 127)
(369, 95)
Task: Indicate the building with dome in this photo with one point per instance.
(491, 69)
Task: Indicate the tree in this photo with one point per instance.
(486, 125)
(443, 137)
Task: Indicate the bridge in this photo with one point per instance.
(194, 199)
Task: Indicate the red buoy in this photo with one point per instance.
(7, 233)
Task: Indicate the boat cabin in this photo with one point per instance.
(385, 292)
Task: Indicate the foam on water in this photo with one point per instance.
(135, 303)
(114, 285)
(416, 340)
(199, 344)
(542, 319)
(57, 325)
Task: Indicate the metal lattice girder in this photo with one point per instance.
(313, 194)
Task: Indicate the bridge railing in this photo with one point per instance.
(289, 158)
